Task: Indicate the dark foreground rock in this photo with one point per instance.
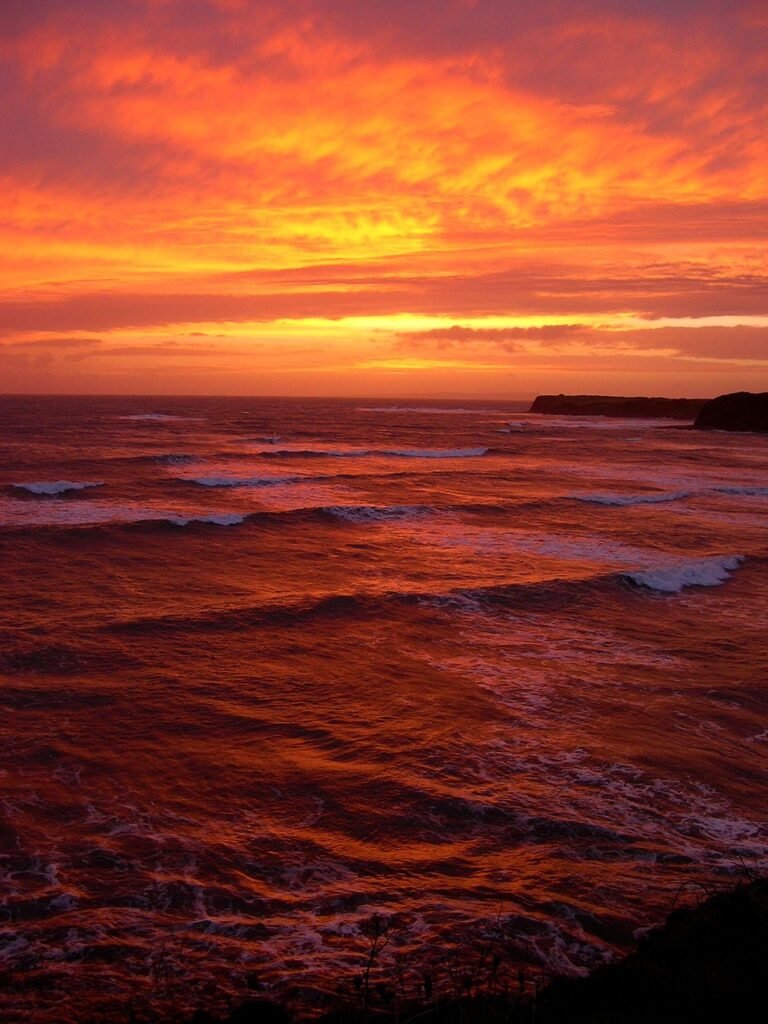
(610, 405)
(705, 965)
(742, 410)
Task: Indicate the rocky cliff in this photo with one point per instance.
(742, 410)
(610, 405)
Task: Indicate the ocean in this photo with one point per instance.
(274, 668)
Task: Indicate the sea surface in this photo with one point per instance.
(270, 668)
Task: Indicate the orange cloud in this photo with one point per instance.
(304, 161)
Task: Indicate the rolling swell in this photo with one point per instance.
(151, 521)
(235, 619)
(662, 497)
(359, 605)
(551, 594)
(25, 657)
(339, 515)
(53, 488)
(398, 453)
(172, 524)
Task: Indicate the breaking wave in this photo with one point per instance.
(514, 428)
(437, 453)
(627, 500)
(54, 487)
(117, 518)
(377, 513)
(701, 572)
(750, 492)
(157, 417)
(224, 519)
(363, 453)
(234, 481)
(173, 459)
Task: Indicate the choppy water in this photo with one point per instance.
(270, 667)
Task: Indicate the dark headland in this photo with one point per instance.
(741, 411)
(611, 405)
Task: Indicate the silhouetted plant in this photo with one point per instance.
(380, 936)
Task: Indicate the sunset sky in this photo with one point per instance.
(380, 197)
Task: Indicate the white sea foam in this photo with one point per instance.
(626, 500)
(235, 481)
(57, 486)
(157, 417)
(673, 577)
(373, 514)
(333, 453)
(399, 453)
(29, 513)
(175, 459)
(599, 422)
(223, 519)
(753, 492)
(437, 453)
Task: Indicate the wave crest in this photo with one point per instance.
(157, 417)
(222, 519)
(377, 513)
(701, 572)
(364, 453)
(234, 481)
(174, 459)
(54, 487)
(627, 500)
